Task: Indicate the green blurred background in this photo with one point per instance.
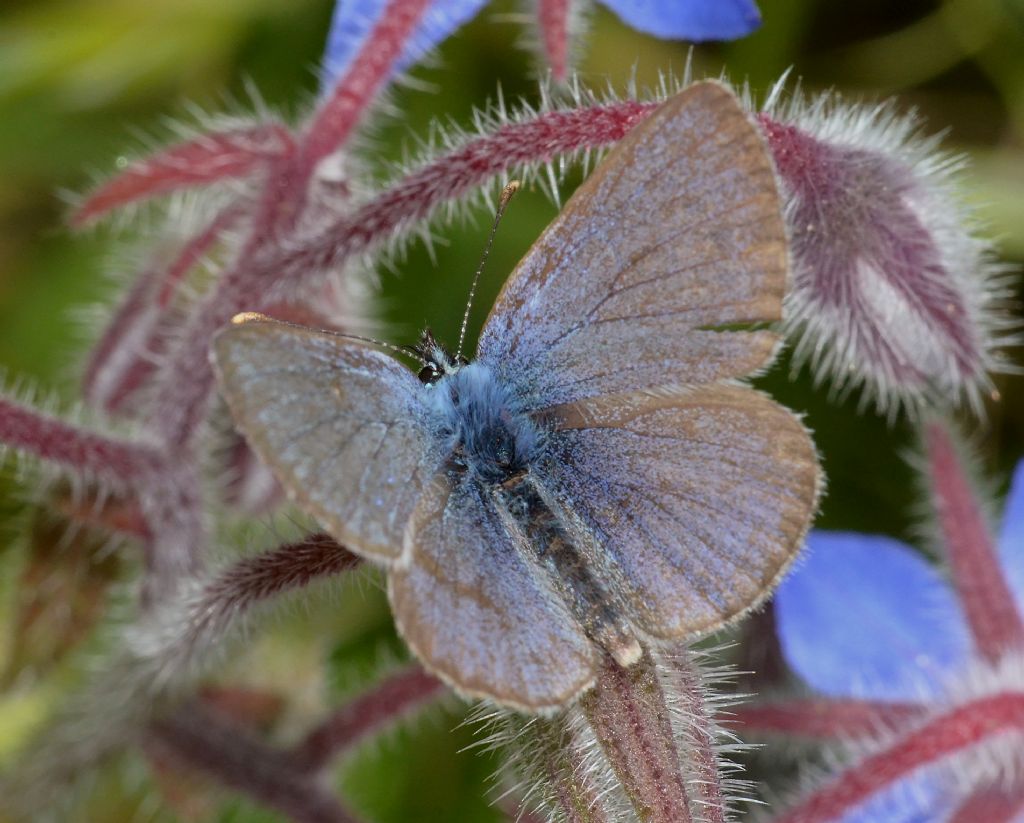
(86, 82)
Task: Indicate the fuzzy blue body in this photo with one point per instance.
(494, 444)
(478, 422)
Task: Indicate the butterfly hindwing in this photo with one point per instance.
(472, 609)
(676, 236)
(340, 424)
(699, 498)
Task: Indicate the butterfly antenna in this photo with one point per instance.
(506, 195)
(256, 317)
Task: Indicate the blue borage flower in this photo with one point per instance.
(694, 20)
(867, 617)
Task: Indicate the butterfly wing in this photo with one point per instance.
(700, 498)
(476, 614)
(340, 424)
(676, 236)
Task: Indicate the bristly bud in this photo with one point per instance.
(894, 289)
(643, 744)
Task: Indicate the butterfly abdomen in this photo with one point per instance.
(547, 542)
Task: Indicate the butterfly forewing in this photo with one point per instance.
(700, 498)
(676, 235)
(474, 611)
(340, 424)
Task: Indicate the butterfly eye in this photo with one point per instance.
(429, 375)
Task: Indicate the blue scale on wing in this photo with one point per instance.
(342, 425)
(698, 497)
(470, 604)
(633, 283)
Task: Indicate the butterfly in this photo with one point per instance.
(596, 480)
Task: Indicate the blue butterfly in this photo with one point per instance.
(595, 480)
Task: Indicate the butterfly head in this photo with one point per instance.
(438, 362)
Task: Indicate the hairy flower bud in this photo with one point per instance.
(894, 289)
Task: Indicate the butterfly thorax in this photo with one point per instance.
(489, 438)
(479, 425)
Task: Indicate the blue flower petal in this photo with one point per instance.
(693, 20)
(914, 799)
(1011, 539)
(867, 616)
(354, 19)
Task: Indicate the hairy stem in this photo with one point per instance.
(192, 252)
(124, 339)
(551, 755)
(823, 719)
(992, 615)
(204, 741)
(370, 69)
(961, 727)
(990, 806)
(186, 631)
(207, 159)
(702, 757)
(553, 19)
(387, 702)
(627, 711)
(461, 171)
(84, 454)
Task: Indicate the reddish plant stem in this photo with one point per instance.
(553, 20)
(459, 172)
(554, 755)
(193, 251)
(944, 735)
(627, 711)
(703, 762)
(578, 799)
(173, 508)
(990, 806)
(203, 741)
(825, 719)
(115, 514)
(186, 382)
(137, 349)
(85, 454)
(368, 71)
(137, 369)
(258, 578)
(205, 620)
(992, 615)
(387, 702)
(125, 335)
(205, 160)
